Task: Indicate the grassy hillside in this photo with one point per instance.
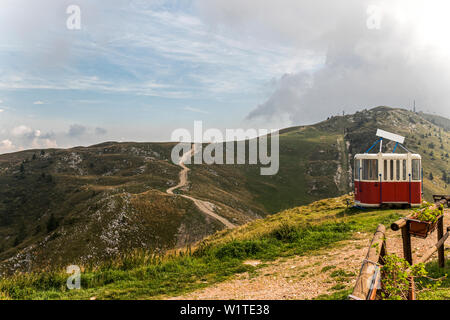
(144, 275)
(86, 205)
(437, 120)
(89, 204)
(316, 161)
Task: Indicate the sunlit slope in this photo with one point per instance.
(316, 161)
(92, 203)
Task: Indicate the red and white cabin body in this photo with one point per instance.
(388, 178)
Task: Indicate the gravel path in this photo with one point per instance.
(204, 206)
(306, 277)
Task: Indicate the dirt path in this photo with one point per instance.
(204, 206)
(306, 277)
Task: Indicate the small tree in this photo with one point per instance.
(52, 224)
(21, 235)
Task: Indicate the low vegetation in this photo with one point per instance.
(397, 274)
(428, 213)
(143, 275)
(60, 207)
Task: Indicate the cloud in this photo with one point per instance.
(195, 110)
(76, 130)
(21, 130)
(39, 102)
(100, 131)
(80, 131)
(1, 110)
(6, 146)
(405, 59)
(24, 137)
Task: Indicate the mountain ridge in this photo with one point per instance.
(91, 203)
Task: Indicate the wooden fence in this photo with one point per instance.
(369, 279)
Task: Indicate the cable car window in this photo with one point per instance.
(416, 169)
(397, 170)
(357, 169)
(392, 170)
(385, 170)
(370, 169)
(404, 170)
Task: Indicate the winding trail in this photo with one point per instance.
(309, 276)
(204, 206)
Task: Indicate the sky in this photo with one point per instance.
(136, 70)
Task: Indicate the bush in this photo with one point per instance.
(52, 224)
(239, 250)
(396, 275)
(286, 233)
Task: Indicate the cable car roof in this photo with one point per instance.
(399, 156)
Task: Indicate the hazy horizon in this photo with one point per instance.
(137, 70)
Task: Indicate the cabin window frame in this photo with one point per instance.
(385, 169)
(370, 169)
(404, 169)
(391, 170)
(415, 169)
(357, 169)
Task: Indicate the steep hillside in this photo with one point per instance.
(89, 204)
(308, 252)
(301, 231)
(85, 205)
(437, 120)
(316, 161)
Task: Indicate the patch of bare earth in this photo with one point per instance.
(306, 277)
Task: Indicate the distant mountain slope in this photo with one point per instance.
(316, 161)
(437, 120)
(89, 204)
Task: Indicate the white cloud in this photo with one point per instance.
(195, 110)
(43, 144)
(6, 146)
(21, 130)
(1, 110)
(363, 67)
(39, 102)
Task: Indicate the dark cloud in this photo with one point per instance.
(76, 130)
(363, 67)
(100, 131)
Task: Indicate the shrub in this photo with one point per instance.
(286, 233)
(239, 249)
(396, 276)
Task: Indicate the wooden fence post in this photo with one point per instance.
(407, 252)
(366, 286)
(412, 289)
(441, 249)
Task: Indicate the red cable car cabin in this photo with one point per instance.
(388, 178)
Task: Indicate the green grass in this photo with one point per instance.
(145, 276)
(339, 295)
(327, 268)
(443, 291)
